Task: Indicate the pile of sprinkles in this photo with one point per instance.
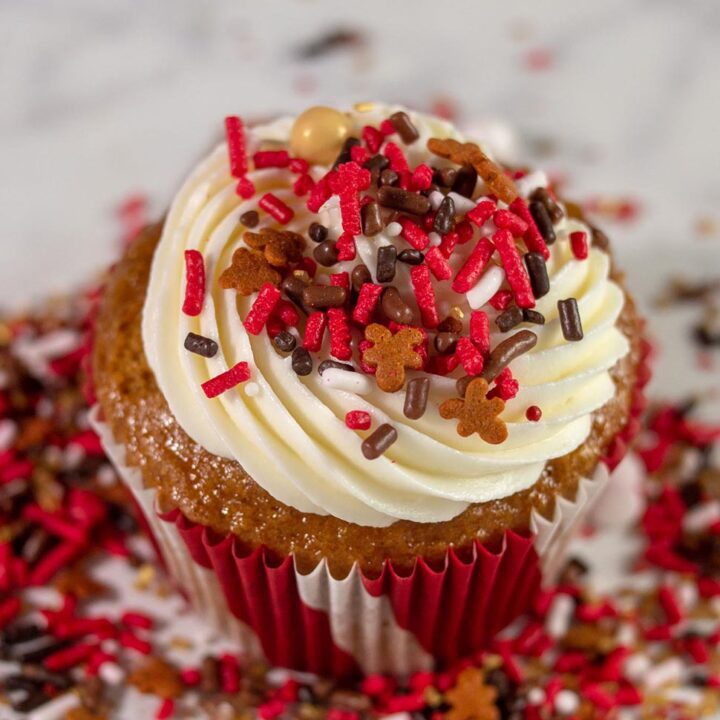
(648, 651)
(374, 332)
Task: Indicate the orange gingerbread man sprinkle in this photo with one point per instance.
(248, 272)
(470, 154)
(477, 414)
(280, 247)
(472, 698)
(392, 354)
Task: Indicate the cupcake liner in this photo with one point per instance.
(394, 623)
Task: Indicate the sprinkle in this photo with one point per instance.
(670, 605)
(303, 185)
(506, 220)
(68, 657)
(469, 356)
(509, 319)
(449, 243)
(393, 229)
(533, 239)
(470, 272)
(533, 413)
(225, 381)
(165, 709)
(318, 233)
(244, 188)
(421, 179)
(271, 158)
(302, 362)
(477, 413)
(359, 276)
(320, 297)
(287, 313)
(250, 219)
(397, 159)
(299, 165)
(411, 257)
(235, 133)
(347, 381)
(533, 316)
(368, 298)
(372, 222)
(261, 309)
(358, 420)
(414, 234)
(194, 283)
(514, 269)
(326, 253)
(359, 154)
(425, 295)
(404, 200)
(377, 443)
(345, 246)
(506, 351)
(537, 270)
(395, 307)
(275, 207)
(416, 397)
(391, 354)
(341, 279)
(314, 331)
(438, 264)
(320, 194)
(481, 213)
(249, 270)
(339, 332)
(373, 138)
(347, 181)
(570, 319)
(579, 244)
(386, 259)
(486, 288)
(285, 341)
(201, 345)
(405, 129)
(543, 222)
(334, 364)
(480, 331)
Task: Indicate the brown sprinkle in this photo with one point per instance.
(465, 181)
(285, 341)
(451, 324)
(250, 219)
(302, 362)
(445, 216)
(553, 209)
(379, 441)
(533, 316)
(359, 276)
(405, 129)
(506, 351)
(386, 259)
(325, 253)
(201, 345)
(388, 177)
(320, 297)
(543, 221)
(280, 247)
(445, 177)
(345, 155)
(318, 233)
(537, 270)
(509, 319)
(445, 342)
(411, 257)
(293, 287)
(372, 222)
(400, 199)
(334, 365)
(395, 307)
(570, 320)
(416, 397)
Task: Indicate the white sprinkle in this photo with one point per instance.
(112, 673)
(435, 239)
(72, 457)
(567, 702)
(393, 229)
(627, 634)
(463, 205)
(531, 181)
(685, 695)
(536, 696)
(669, 671)
(435, 199)
(559, 616)
(354, 382)
(486, 287)
(636, 666)
(8, 433)
(700, 518)
(106, 475)
(687, 595)
(55, 709)
(251, 389)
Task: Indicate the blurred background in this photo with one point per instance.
(105, 104)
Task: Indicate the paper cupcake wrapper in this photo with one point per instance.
(394, 623)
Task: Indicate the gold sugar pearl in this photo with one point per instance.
(318, 134)
(364, 107)
(456, 312)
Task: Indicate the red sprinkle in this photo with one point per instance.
(481, 213)
(506, 220)
(347, 181)
(345, 247)
(373, 138)
(339, 333)
(235, 133)
(274, 206)
(320, 193)
(191, 677)
(533, 413)
(579, 245)
(132, 641)
(414, 234)
(367, 301)
(262, 308)
(299, 166)
(194, 283)
(438, 263)
(359, 154)
(229, 379)
(465, 232)
(341, 279)
(670, 605)
(421, 179)
(229, 671)
(425, 295)
(137, 620)
(515, 271)
(287, 312)
(469, 356)
(501, 300)
(533, 239)
(358, 420)
(386, 127)
(395, 155)
(271, 158)
(69, 657)
(506, 386)
(449, 243)
(480, 331)
(470, 272)
(303, 185)
(166, 709)
(314, 331)
(245, 189)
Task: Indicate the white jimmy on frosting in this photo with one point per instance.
(289, 433)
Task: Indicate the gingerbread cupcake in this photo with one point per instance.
(364, 382)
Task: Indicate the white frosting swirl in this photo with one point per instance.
(290, 435)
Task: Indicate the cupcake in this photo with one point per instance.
(364, 382)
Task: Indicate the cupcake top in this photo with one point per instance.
(375, 319)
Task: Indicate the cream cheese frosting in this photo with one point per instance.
(289, 433)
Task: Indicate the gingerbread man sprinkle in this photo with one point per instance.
(248, 272)
(280, 247)
(470, 154)
(392, 354)
(477, 414)
(472, 698)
